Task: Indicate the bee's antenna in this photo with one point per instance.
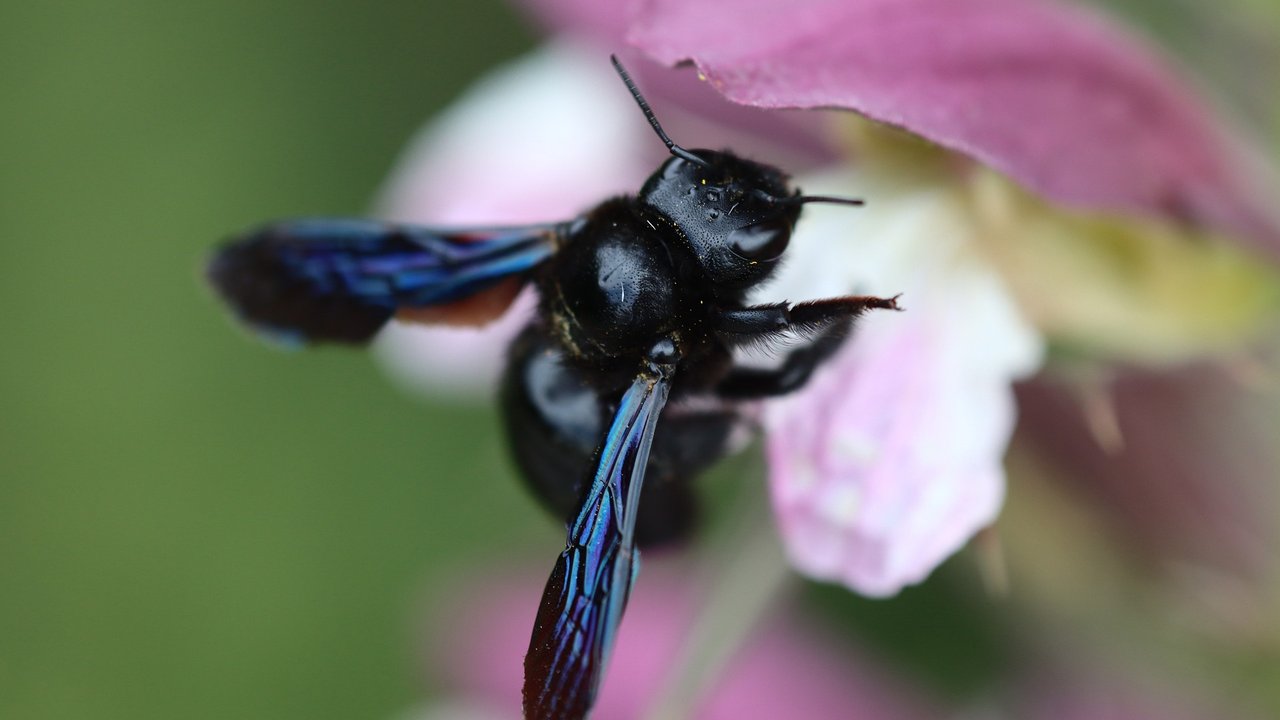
(802, 199)
(653, 120)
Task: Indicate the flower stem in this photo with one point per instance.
(747, 575)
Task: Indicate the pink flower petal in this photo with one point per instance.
(1193, 484)
(476, 643)
(891, 459)
(1098, 692)
(784, 670)
(1048, 93)
(683, 103)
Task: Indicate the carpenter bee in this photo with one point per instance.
(642, 301)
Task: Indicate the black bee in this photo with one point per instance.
(642, 299)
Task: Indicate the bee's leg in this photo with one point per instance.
(750, 383)
(761, 322)
(829, 319)
(686, 443)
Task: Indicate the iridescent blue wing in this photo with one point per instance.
(585, 596)
(322, 280)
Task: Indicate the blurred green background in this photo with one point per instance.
(190, 525)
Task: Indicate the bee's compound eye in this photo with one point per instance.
(761, 242)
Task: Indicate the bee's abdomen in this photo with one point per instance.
(554, 420)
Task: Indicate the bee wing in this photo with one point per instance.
(331, 280)
(588, 589)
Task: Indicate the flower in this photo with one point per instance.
(787, 667)
(1050, 190)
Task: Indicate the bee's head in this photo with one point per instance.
(736, 214)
